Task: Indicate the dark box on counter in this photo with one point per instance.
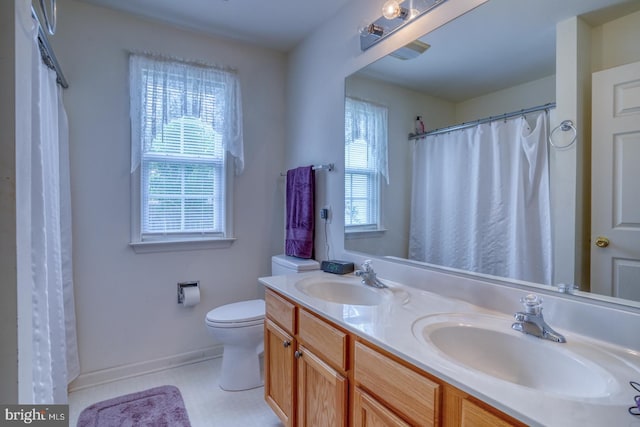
(336, 266)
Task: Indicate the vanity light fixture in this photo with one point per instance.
(395, 15)
(391, 9)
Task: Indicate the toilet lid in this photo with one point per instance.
(243, 311)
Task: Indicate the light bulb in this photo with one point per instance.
(391, 9)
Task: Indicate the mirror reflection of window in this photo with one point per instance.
(365, 159)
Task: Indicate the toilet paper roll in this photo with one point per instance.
(191, 296)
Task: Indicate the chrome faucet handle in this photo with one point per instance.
(532, 304)
(367, 265)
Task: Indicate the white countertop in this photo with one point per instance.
(391, 325)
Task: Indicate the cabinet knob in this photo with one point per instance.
(298, 354)
(286, 344)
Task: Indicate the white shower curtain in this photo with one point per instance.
(480, 200)
(54, 348)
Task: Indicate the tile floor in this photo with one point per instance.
(207, 405)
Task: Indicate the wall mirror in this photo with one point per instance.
(500, 57)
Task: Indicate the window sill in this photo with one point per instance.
(364, 234)
(180, 245)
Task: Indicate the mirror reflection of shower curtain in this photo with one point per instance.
(480, 200)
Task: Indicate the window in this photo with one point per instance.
(183, 176)
(365, 160)
(185, 119)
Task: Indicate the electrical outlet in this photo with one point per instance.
(324, 213)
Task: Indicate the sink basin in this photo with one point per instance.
(488, 345)
(342, 291)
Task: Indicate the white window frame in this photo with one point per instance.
(187, 241)
(162, 242)
(371, 229)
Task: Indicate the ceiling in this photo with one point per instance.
(276, 24)
(500, 44)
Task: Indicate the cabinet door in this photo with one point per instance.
(368, 412)
(322, 392)
(475, 416)
(279, 372)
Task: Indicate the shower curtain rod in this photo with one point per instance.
(489, 119)
(46, 51)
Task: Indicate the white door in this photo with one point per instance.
(615, 182)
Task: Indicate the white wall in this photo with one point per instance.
(404, 105)
(315, 94)
(526, 95)
(616, 43)
(126, 302)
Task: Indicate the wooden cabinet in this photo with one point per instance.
(319, 375)
(281, 311)
(322, 392)
(463, 410)
(410, 394)
(279, 371)
(279, 363)
(305, 366)
(323, 338)
(475, 416)
(368, 412)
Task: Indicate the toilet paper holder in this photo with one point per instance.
(182, 285)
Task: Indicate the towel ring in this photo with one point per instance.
(49, 15)
(565, 126)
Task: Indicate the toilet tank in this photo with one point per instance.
(284, 264)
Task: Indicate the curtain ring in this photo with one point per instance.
(565, 126)
(49, 15)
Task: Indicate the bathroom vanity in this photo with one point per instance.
(340, 353)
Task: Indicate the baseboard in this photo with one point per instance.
(103, 376)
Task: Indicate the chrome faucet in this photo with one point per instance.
(369, 276)
(531, 321)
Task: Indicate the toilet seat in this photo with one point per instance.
(237, 315)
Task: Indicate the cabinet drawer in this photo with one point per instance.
(328, 342)
(280, 311)
(398, 387)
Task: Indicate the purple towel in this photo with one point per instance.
(300, 210)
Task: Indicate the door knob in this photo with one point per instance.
(602, 242)
(286, 344)
(298, 354)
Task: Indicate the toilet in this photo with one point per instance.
(284, 264)
(240, 328)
